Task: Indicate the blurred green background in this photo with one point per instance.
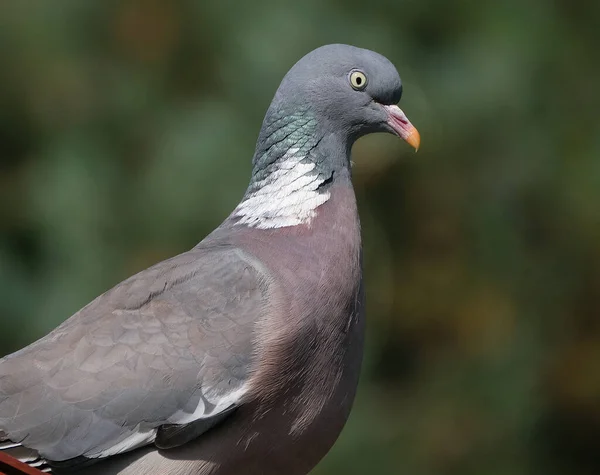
(126, 133)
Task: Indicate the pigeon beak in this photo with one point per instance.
(402, 127)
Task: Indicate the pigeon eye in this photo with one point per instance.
(358, 80)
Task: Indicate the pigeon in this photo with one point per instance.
(241, 355)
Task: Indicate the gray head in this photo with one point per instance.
(347, 88)
(350, 91)
(331, 97)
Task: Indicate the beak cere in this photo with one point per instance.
(398, 121)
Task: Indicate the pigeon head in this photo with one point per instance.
(330, 98)
(351, 92)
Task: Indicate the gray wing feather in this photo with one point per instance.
(170, 345)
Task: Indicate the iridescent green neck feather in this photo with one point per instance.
(287, 179)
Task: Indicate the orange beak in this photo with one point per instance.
(398, 121)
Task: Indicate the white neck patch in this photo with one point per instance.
(288, 196)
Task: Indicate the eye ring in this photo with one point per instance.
(358, 80)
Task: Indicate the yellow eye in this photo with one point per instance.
(358, 80)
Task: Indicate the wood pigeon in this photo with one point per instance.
(242, 355)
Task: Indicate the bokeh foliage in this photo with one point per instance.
(126, 132)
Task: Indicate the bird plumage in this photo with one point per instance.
(242, 355)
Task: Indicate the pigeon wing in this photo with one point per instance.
(167, 351)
